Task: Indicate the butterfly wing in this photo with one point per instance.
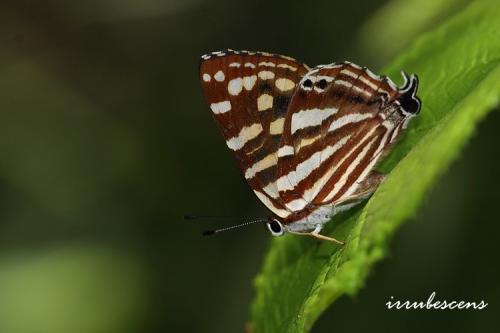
(249, 94)
(341, 119)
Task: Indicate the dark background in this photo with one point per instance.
(105, 142)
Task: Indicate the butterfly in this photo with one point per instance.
(306, 139)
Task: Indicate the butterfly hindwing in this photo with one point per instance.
(249, 94)
(334, 134)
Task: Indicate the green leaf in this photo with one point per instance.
(398, 22)
(458, 66)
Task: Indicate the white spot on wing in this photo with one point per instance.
(276, 127)
(264, 102)
(219, 76)
(284, 84)
(249, 81)
(234, 86)
(206, 77)
(235, 64)
(221, 107)
(266, 75)
(249, 65)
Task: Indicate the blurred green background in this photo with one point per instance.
(105, 142)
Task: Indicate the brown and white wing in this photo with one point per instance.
(249, 94)
(337, 128)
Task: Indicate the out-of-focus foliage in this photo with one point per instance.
(396, 24)
(61, 286)
(460, 83)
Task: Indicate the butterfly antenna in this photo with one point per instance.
(216, 231)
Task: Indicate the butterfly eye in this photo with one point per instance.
(307, 83)
(321, 84)
(275, 227)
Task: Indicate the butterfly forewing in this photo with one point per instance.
(249, 94)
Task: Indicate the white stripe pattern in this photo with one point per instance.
(267, 162)
(362, 91)
(338, 185)
(268, 203)
(395, 134)
(318, 185)
(296, 205)
(372, 163)
(271, 190)
(348, 119)
(343, 83)
(246, 134)
(310, 117)
(316, 188)
(285, 151)
(349, 73)
(372, 75)
(368, 82)
(276, 127)
(305, 168)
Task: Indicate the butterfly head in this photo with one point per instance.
(408, 100)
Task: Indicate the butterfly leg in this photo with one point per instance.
(315, 233)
